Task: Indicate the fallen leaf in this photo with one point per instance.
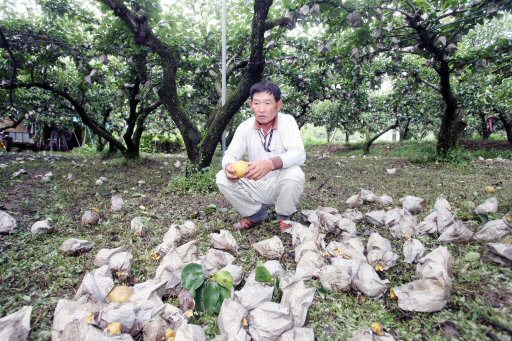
(472, 256)
(377, 329)
(114, 328)
(186, 301)
(156, 255)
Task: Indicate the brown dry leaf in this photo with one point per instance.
(244, 322)
(186, 301)
(392, 295)
(95, 209)
(170, 333)
(379, 267)
(377, 329)
(325, 254)
(337, 251)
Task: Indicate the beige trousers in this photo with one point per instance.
(248, 196)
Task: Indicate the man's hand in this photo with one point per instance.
(230, 174)
(258, 169)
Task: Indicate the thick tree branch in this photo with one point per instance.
(368, 144)
(79, 109)
(278, 22)
(14, 124)
(438, 89)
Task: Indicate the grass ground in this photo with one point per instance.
(32, 272)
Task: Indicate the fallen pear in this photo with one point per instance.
(119, 294)
(489, 189)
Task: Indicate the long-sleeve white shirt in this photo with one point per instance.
(286, 143)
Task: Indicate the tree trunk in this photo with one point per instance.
(111, 148)
(200, 150)
(484, 128)
(404, 132)
(347, 136)
(451, 124)
(101, 145)
(507, 123)
(368, 143)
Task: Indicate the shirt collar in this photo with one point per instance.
(257, 125)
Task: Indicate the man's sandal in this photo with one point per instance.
(283, 226)
(244, 224)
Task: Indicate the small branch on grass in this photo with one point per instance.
(322, 185)
(500, 326)
(492, 336)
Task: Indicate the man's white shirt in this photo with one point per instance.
(286, 143)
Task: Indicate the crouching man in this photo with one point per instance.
(274, 178)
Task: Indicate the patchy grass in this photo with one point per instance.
(32, 272)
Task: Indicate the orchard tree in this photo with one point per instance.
(484, 86)
(429, 30)
(56, 56)
(200, 141)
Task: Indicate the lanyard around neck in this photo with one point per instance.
(263, 138)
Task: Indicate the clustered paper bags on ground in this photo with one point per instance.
(91, 316)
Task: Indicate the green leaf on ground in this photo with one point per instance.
(210, 297)
(263, 275)
(224, 279)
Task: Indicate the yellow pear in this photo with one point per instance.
(239, 167)
(119, 294)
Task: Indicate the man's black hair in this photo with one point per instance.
(269, 87)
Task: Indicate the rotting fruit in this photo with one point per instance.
(239, 167)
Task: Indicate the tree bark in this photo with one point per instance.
(368, 143)
(101, 143)
(484, 128)
(507, 123)
(451, 123)
(404, 132)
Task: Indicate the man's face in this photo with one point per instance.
(264, 107)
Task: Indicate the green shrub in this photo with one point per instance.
(201, 182)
